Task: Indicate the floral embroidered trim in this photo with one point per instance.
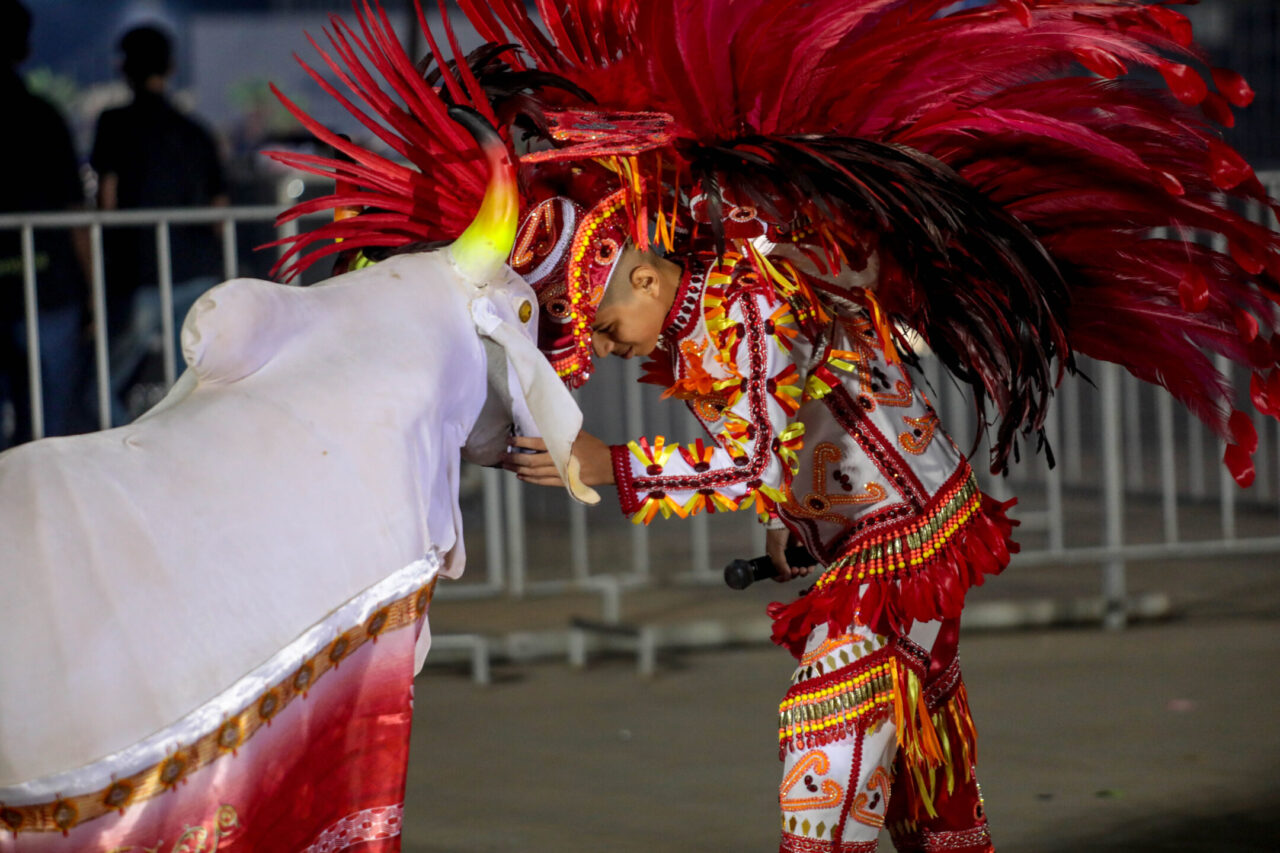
(786, 390)
(937, 745)
(879, 448)
(696, 381)
(367, 825)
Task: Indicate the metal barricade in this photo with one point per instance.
(1109, 445)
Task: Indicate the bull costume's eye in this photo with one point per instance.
(606, 251)
(526, 311)
(559, 309)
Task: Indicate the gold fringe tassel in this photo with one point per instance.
(944, 740)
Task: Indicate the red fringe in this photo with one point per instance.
(890, 604)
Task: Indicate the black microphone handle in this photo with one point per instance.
(740, 574)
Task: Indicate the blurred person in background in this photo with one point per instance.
(150, 155)
(46, 179)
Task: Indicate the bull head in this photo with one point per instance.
(505, 311)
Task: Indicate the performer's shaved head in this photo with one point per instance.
(636, 302)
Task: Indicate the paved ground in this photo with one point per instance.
(1162, 737)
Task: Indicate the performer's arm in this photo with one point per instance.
(750, 461)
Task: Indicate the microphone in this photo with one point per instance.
(740, 574)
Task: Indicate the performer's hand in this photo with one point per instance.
(775, 545)
(537, 468)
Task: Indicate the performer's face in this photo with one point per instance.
(629, 320)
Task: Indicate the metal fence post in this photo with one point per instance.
(1113, 569)
(579, 555)
(98, 284)
(32, 309)
(1131, 407)
(1168, 466)
(230, 250)
(1053, 481)
(1072, 431)
(164, 265)
(1226, 483)
(516, 555)
(495, 558)
(1195, 457)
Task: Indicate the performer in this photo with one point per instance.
(818, 426)
(824, 177)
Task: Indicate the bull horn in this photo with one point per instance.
(481, 251)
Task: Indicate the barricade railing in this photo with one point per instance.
(94, 222)
(1123, 448)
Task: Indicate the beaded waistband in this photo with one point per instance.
(913, 544)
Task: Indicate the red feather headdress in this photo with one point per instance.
(1030, 202)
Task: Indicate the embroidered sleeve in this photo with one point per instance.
(749, 415)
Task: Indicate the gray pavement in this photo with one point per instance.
(1161, 737)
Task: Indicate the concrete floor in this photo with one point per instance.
(1162, 737)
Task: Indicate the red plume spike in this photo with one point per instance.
(1218, 109)
(1100, 62)
(1233, 87)
(1187, 86)
(1229, 169)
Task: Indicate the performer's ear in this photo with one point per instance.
(644, 280)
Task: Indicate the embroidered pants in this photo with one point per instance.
(853, 698)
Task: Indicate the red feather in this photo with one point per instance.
(992, 96)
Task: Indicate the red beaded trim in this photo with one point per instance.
(687, 306)
(584, 284)
(620, 456)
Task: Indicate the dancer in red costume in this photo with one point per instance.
(825, 176)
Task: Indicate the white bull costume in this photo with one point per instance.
(209, 617)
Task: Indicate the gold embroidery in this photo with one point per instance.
(226, 821)
(817, 504)
(541, 223)
(195, 838)
(818, 763)
(862, 332)
(863, 805)
(710, 407)
(831, 644)
(916, 439)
